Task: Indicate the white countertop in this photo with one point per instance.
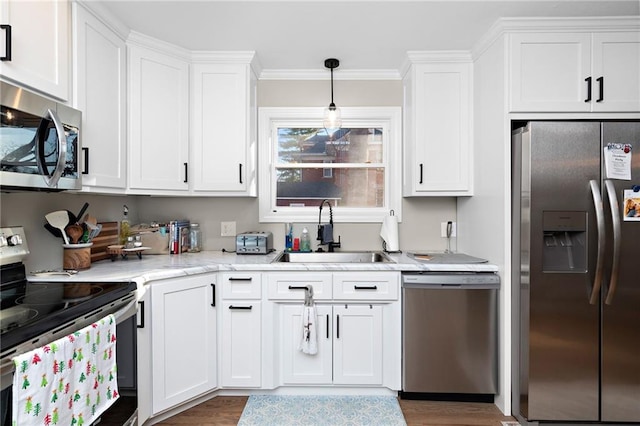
(158, 267)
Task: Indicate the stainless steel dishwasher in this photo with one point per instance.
(449, 335)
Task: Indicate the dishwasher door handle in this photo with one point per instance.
(449, 286)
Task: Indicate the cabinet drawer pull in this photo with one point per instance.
(240, 279)
(421, 167)
(365, 287)
(186, 172)
(297, 287)
(241, 308)
(327, 326)
(213, 294)
(240, 172)
(7, 43)
(337, 326)
(85, 149)
(588, 80)
(141, 310)
(601, 94)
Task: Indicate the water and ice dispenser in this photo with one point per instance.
(564, 241)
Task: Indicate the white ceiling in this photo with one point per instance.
(363, 35)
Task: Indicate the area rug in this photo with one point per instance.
(307, 410)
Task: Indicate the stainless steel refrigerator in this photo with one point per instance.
(576, 271)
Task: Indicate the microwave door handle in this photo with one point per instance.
(53, 178)
(617, 239)
(597, 279)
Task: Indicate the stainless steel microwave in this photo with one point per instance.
(39, 142)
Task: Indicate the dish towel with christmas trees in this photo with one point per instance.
(70, 381)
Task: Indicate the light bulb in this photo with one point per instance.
(332, 117)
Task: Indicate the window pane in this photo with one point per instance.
(353, 187)
(307, 145)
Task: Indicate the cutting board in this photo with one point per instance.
(108, 236)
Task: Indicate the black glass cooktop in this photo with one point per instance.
(29, 309)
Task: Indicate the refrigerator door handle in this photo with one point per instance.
(617, 238)
(597, 279)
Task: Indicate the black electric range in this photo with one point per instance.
(30, 310)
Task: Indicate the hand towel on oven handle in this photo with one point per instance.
(70, 381)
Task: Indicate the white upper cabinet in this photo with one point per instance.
(437, 127)
(223, 124)
(38, 45)
(158, 121)
(100, 93)
(575, 72)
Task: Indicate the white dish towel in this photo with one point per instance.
(309, 340)
(71, 381)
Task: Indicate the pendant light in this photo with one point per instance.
(332, 117)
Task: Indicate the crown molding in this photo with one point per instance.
(531, 25)
(227, 57)
(433, 57)
(142, 40)
(304, 74)
(105, 16)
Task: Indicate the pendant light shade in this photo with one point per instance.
(332, 117)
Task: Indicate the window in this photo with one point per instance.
(357, 167)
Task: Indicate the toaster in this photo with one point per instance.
(254, 243)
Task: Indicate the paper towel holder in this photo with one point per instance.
(384, 243)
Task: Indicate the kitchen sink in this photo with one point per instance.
(334, 257)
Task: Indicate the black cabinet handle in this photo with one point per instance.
(297, 287)
(240, 279)
(186, 173)
(213, 294)
(588, 80)
(240, 172)
(7, 44)
(85, 150)
(327, 326)
(601, 94)
(365, 287)
(421, 167)
(243, 308)
(337, 326)
(141, 310)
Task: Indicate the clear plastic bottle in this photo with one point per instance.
(195, 238)
(305, 240)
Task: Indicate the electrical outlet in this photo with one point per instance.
(443, 229)
(227, 229)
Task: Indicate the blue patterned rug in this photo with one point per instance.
(307, 410)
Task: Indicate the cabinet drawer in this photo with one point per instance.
(359, 286)
(241, 285)
(283, 286)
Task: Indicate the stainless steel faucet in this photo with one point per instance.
(325, 232)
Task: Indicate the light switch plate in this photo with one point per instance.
(227, 229)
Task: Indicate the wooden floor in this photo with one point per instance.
(226, 410)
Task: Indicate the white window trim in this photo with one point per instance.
(270, 118)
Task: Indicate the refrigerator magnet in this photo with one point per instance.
(617, 161)
(631, 204)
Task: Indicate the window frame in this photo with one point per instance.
(272, 118)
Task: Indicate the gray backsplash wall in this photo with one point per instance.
(419, 230)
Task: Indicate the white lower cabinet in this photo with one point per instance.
(357, 331)
(349, 339)
(183, 324)
(241, 346)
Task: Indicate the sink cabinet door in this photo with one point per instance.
(298, 367)
(183, 324)
(357, 351)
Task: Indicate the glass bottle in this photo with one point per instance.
(124, 226)
(195, 238)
